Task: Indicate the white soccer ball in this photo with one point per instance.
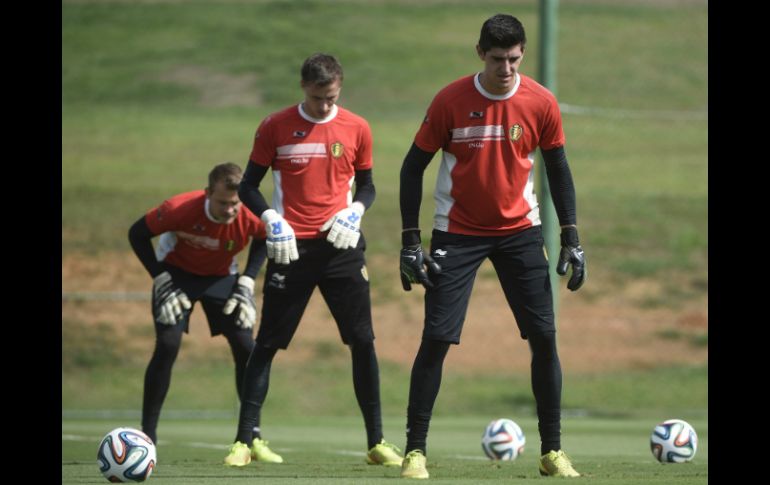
(673, 441)
(126, 455)
(503, 439)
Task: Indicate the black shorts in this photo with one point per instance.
(212, 292)
(341, 276)
(521, 266)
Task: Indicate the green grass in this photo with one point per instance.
(135, 130)
(330, 450)
(209, 387)
(133, 133)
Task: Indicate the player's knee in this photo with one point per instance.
(167, 345)
(543, 345)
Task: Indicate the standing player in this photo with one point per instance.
(317, 150)
(488, 126)
(200, 234)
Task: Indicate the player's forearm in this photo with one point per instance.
(410, 192)
(249, 189)
(561, 185)
(140, 236)
(365, 192)
(257, 256)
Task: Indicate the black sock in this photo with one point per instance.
(366, 383)
(546, 386)
(423, 390)
(157, 379)
(256, 381)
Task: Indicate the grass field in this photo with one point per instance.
(154, 93)
(330, 450)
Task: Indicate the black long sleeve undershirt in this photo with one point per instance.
(561, 185)
(140, 236)
(410, 192)
(257, 256)
(249, 192)
(365, 191)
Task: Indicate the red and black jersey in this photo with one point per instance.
(486, 179)
(193, 241)
(313, 163)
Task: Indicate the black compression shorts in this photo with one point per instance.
(521, 266)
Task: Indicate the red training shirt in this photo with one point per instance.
(486, 179)
(193, 241)
(314, 163)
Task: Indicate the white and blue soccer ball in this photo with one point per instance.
(126, 455)
(503, 439)
(673, 441)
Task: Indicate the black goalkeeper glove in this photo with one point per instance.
(412, 271)
(169, 302)
(572, 253)
(243, 298)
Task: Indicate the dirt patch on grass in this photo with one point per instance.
(216, 89)
(607, 328)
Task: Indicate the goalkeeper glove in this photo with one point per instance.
(412, 271)
(169, 302)
(281, 243)
(572, 253)
(242, 297)
(345, 226)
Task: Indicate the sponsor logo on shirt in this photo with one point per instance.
(439, 253)
(299, 134)
(515, 132)
(337, 149)
(199, 227)
(200, 242)
(476, 114)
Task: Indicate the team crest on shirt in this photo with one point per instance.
(364, 273)
(337, 149)
(230, 245)
(516, 131)
(199, 227)
(299, 134)
(476, 114)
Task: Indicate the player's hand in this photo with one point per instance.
(572, 254)
(242, 297)
(169, 301)
(345, 226)
(281, 243)
(412, 271)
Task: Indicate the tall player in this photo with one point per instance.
(200, 234)
(488, 126)
(317, 150)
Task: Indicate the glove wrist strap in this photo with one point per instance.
(410, 237)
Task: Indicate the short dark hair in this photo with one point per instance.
(501, 30)
(321, 69)
(228, 173)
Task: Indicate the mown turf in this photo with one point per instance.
(330, 450)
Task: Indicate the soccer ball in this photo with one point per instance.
(126, 455)
(503, 440)
(673, 441)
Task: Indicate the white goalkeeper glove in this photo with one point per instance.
(345, 226)
(281, 243)
(243, 298)
(169, 301)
